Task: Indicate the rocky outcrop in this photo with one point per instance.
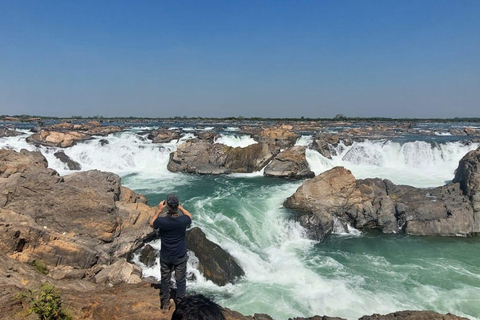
(5, 132)
(290, 163)
(163, 135)
(336, 197)
(413, 315)
(325, 143)
(62, 139)
(67, 134)
(214, 262)
(71, 164)
(78, 221)
(278, 137)
(201, 157)
(468, 176)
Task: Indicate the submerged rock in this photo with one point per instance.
(214, 262)
(72, 165)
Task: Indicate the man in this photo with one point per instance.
(173, 253)
(197, 307)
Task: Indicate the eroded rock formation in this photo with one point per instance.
(336, 195)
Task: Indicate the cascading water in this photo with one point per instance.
(348, 275)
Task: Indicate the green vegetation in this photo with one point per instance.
(40, 266)
(45, 301)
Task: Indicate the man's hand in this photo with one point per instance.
(160, 207)
(185, 212)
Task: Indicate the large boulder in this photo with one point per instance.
(278, 137)
(214, 262)
(291, 163)
(80, 220)
(335, 196)
(468, 176)
(202, 157)
(63, 139)
(12, 162)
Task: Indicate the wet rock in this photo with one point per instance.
(72, 165)
(214, 262)
(103, 142)
(290, 163)
(5, 132)
(148, 255)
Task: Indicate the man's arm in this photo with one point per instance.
(161, 205)
(185, 212)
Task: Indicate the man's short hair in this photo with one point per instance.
(197, 307)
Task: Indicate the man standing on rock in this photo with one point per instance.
(173, 253)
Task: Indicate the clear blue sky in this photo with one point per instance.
(387, 58)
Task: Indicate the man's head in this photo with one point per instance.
(172, 203)
(197, 307)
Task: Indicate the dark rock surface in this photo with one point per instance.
(6, 132)
(290, 163)
(163, 135)
(202, 157)
(214, 262)
(380, 204)
(72, 165)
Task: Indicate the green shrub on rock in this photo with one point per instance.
(45, 301)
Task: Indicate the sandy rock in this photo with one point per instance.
(12, 162)
(278, 137)
(120, 272)
(290, 163)
(57, 139)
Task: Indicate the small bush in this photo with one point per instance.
(46, 303)
(40, 266)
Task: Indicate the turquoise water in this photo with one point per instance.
(347, 275)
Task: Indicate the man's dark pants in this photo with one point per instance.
(167, 265)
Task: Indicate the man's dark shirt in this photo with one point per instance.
(172, 233)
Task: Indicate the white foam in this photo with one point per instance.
(235, 140)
